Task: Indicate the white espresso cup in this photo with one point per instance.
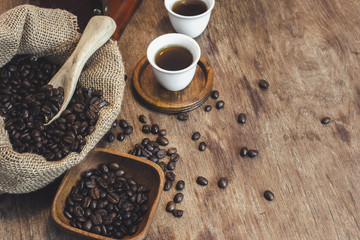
(178, 79)
(192, 26)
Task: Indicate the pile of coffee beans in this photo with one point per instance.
(107, 203)
(27, 103)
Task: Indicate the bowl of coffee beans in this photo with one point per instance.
(109, 195)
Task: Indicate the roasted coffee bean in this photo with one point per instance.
(146, 128)
(242, 118)
(178, 213)
(119, 173)
(90, 184)
(95, 193)
(202, 181)
(162, 132)
(208, 108)
(202, 146)
(96, 218)
(263, 84)
(78, 211)
(154, 158)
(243, 151)
(170, 176)
(252, 153)
(167, 185)
(68, 215)
(220, 104)
(170, 206)
(161, 153)
(171, 166)
(175, 157)
(195, 136)
(268, 195)
(145, 141)
(325, 120)
(180, 185)
(123, 123)
(133, 230)
(183, 116)
(171, 151)
(163, 141)
(114, 124)
(162, 165)
(87, 225)
(110, 137)
(113, 198)
(178, 197)
(114, 166)
(215, 94)
(121, 137)
(128, 130)
(155, 129)
(142, 119)
(223, 182)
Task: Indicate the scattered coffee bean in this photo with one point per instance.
(242, 118)
(154, 129)
(170, 176)
(215, 94)
(162, 165)
(128, 130)
(202, 146)
(121, 136)
(142, 119)
(178, 197)
(110, 137)
(123, 123)
(180, 185)
(171, 151)
(167, 185)
(178, 213)
(154, 158)
(243, 151)
(114, 124)
(325, 120)
(263, 84)
(175, 157)
(146, 128)
(208, 108)
(195, 136)
(252, 153)
(223, 182)
(171, 166)
(161, 153)
(162, 132)
(183, 116)
(170, 206)
(163, 141)
(268, 195)
(220, 104)
(202, 181)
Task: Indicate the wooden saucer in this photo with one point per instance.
(160, 99)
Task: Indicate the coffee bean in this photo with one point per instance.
(171, 166)
(96, 218)
(242, 118)
(178, 213)
(142, 119)
(121, 137)
(161, 153)
(154, 129)
(202, 181)
(114, 124)
(154, 158)
(178, 197)
(223, 182)
(123, 123)
(202, 146)
(208, 108)
(170, 206)
(171, 151)
(180, 185)
(215, 94)
(252, 153)
(268, 195)
(183, 116)
(146, 128)
(167, 185)
(325, 120)
(263, 84)
(220, 104)
(175, 157)
(195, 136)
(128, 130)
(243, 151)
(170, 176)
(162, 132)
(162, 165)
(163, 141)
(110, 137)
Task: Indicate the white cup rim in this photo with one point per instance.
(189, 17)
(195, 60)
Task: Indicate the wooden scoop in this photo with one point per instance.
(97, 33)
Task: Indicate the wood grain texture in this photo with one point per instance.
(309, 53)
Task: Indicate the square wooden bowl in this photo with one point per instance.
(141, 170)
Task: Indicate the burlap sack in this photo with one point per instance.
(28, 29)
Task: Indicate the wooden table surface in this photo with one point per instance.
(309, 52)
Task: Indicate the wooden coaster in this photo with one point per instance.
(160, 99)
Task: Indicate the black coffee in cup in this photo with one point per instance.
(189, 7)
(173, 58)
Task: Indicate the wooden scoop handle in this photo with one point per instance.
(97, 32)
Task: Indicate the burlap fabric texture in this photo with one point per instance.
(53, 33)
